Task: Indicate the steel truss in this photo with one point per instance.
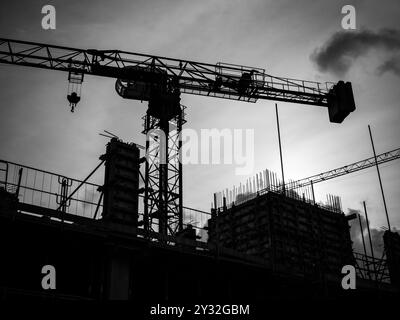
(359, 165)
(163, 204)
(216, 80)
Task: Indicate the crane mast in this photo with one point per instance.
(160, 81)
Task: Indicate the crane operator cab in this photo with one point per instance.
(153, 86)
(137, 89)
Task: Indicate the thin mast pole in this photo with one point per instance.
(379, 177)
(280, 148)
(370, 240)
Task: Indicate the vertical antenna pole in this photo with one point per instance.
(280, 148)
(379, 177)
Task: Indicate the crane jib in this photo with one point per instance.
(169, 74)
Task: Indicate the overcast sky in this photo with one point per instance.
(284, 37)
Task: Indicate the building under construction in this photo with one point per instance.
(274, 245)
(290, 234)
(130, 237)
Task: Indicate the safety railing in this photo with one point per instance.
(50, 190)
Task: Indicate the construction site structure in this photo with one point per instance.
(160, 81)
(274, 246)
(121, 182)
(294, 236)
(161, 251)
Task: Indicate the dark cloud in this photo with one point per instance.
(376, 235)
(343, 48)
(390, 65)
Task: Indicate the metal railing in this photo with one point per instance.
(46, 189)
(49, 190)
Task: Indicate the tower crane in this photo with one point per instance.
(160, 81)
(350, 168)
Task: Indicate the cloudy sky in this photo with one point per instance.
(296, 39)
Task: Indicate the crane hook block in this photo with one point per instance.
(340, 102)
(73, 99)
